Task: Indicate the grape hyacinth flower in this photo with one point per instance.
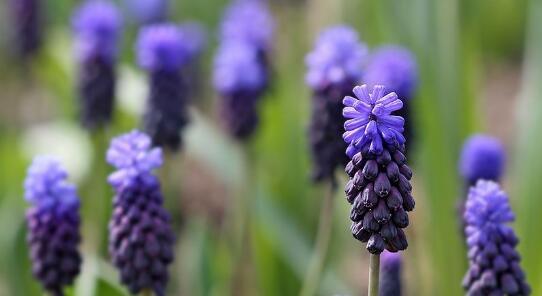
(27, 22)
(140, 237)
(53, 225)
(147, 11)
(493, 261)
(379, 188)
(240, 81)
(482, 157)
(397, 69)
(390, 271)
(163, 52)
(97, 28)
(334, 67)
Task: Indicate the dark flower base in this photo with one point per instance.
(27, 23)
(239, 114)
(53, 240)
(97, 92)
(140, 238)
(380, 193)
(326, 128)
(167, 110)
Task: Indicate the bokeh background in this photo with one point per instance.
(480, 67)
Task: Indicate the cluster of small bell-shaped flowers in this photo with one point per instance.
(494, 267)
(147, 12)
(97, 26)
(53, 225)
(241, 66)
(390, 274)
(379, 188)
(334, 67)
(396, 68)
(482, 158)
(163, 50)
(140, 236)
(27, 26)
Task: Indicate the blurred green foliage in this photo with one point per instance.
(456, 42)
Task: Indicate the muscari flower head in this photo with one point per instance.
(161, 47)
(147, 11)
(379, 188)
(27, 21)
(396, 68)
(493, 261)
(248, 21)
(140, 237)
(337, 59)
(390, 274)
(53, 224)
(194, 37)
(482, 157)
(97, 25)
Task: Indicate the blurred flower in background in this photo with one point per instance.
(482, 158)
(391, 278)
(27, 18)
(147, 11)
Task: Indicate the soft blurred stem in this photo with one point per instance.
(313, 276)
(374, 274)
(171, 187)
(146, 292)
(99, 188)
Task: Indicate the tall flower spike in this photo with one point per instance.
(397, 69)
(27, 21)
(493, 261)
(53, 225)
(140, 237)
(482, 157)
(97, 28)
(147, 11)
(240, 80)
(379, 187)
(390, 274)
(163, 52)
(333, 69)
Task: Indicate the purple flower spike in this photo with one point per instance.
(379, 188)
(493, 261)
(483, 157)
(147, 11)
(97, 28)
(249, 21)
(53, 225)
(369, 120)
(396, 68)
(337, 59)
(390, 274)
(27, 22)
(140, 237)
(161, 47)
(194, 37)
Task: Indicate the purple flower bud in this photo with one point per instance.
(483, 157)
(374, 136)
(97, 28)
(53, 225)
(147, 11)
(27, 21)
(334, 68)
(140, 237)
(390, 274)
(493, 263)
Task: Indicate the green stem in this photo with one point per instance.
(146, 292)
(374, 273)
(99, 187)
(313, 276)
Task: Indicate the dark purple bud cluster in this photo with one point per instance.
(390, 274)
(27, 21)
(97, 26)
(140, 237)
(379, 188)
(334, 68)
(494, 267)
(53, 225)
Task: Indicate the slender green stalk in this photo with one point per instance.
(99, 185)
(374, 275)
(146, 292)
(313, 276)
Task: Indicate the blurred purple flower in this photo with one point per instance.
(53, 224)
(482, 157)
(162, 47)
(27, 21)
(493, 261)
(337, 58)
(147, 11)
(140, 237)
(396, 68)
(390, 274)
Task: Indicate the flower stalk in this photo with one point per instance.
(374, 275)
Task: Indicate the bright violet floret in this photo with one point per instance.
(482, 157)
